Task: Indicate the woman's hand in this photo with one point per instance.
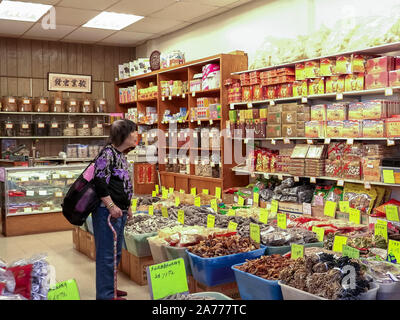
(130, 213)
(115, 212)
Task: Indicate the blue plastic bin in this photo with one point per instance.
(285, 249)
(252, 287)
(216, 271)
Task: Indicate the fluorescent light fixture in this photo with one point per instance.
(22, 11)
(112, 21)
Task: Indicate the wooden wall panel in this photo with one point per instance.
(109, 67)
(24, 88)
(87, 59)
(79, 58)
(37, 59)
(12, 88)
(3, 57)
(24, 61)
(72, 58)
(64, 58)
(45, 59)
(98, 63)
(11, 57)
(55, 57)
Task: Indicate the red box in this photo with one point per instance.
(379, 65)
(285, 90)
(394, 78)
(271, 92)
(247, 94)
(397, 63)
(376, 80)
(257, 93)
(285, 71)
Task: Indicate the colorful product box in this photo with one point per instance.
(379, 65)
(336, 111)
(334, 129)
(318, 112)
(311, 69)
(247, 94)
(274, 131)
(289, 130)
(316, 86)
(300, 71)
(354, 82)
(314, 129)
(352, 129)
(376, 80)
(358, 62)
(343, 65)
(394, 78)
(373, 128)
(374, 109)
(271, 92)
(289, 117)
(393, 127)
(285, 90)
(327, 67)
(356, 111)
(334, 84)
(257, 93)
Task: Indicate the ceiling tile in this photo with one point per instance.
(152, 25)
(15, 28)
(183, 11)
(215, 3)
(138, 7)
(127, 37)
(52, 2)
(238, 3)
(88, 35)
(176, 28)
(73, 17)
(38, 32)
(99, 5)
(210, 14)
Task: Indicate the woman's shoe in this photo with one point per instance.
(121, 293)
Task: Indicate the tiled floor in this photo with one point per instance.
(68, 263)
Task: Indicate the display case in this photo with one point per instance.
(32, 198)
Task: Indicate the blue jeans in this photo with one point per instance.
(104, 239)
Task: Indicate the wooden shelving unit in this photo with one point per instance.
(229, 63)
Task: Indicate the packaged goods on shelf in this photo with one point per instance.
(376, 80)
(316, 86)
(172, 59)
(373, 128)
(380, 64)
(128, 94)
(334, 129)
(148, 93)
(394, 78)
(196, 83)
(354, 82)
(327, 67)
(343, 65)
(314, 129)
(300, 88)
(211, 77)
(58, 105)
(335, 111)
(312, 69)
(25, 105)
(134, 68)
(335, 84)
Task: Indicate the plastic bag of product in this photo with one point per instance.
(313, 43)
(3, 265)
(266, 194)
(338, 39)
(335, 194)
(8, 281)
(12, 297)
(276, 239)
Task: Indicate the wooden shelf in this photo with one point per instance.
(182, 96)
(191, 176)
(316, 139)
(127, 103)
(135, 78)
(148, 100)
(61, 137)
(205, 92)
(55, 113)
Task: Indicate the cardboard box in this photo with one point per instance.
(91, 246)
(334, 129)
(83, 241)
(75, 238)
(352, 129)
(334, 84)
(299, 71)
(316, 86)
(336, 111)
(327, 67)
(354, 82)
(380, 64)
(138, 268)
(377, 80)
(125, 262)
(274, 131)
(394, 78)
(230, 289)
(311, 69)
(289, 130)
(289, 117)
(343, 65)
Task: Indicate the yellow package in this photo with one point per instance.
(315, 129)
(318, 112)
(334, 129)
(359, 197)
(336, 111)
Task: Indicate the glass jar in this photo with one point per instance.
(10, 104)
(42, 105)
(196, 138)
(98, 128)
(69, 129)
(83, 128)
(9, 128)
(215, 140)
(55, 129)
(169, 167)
(41, 128)
(83, 151)
(25, 105)
(73, 106)
(87, 106)
(25, 128)
(205, 138)
(101, 106)
(58, 105)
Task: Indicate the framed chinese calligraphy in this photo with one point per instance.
(69, 82)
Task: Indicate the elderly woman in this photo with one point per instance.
(114, 187)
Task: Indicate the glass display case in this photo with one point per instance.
(36, 190)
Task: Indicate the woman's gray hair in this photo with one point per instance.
(120, 131)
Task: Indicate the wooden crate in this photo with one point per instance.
(138, 267)
(82, 241)
(230, 289)
(75, 238)
(90, 246)
(125, 263)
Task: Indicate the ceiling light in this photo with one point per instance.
(22, 11)
(112, 21)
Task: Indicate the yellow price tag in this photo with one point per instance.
(240, 201)
(392, 214)
(164, 194)
(182, 191)
(232, 226)
(297, 251)
(154, 194)
(210, 221)
(151, 210)
(205, 191)
(344, 206)
(231, 213)
(255, 232)
(330, 209)
(350, 252)
(218, 192)
(320, 233)
(157, 189)
(164, 212)
(214, 205)
(193, 191)
(256, 198)
(263, 215)
(171, 190)
(274, 206)
(355, 216)
(177, 201)
(181, 216)
(394, 251)
(134, 204)
(388, 176)
(282, 220)
(381, 229)
(197, 202)
(338, 243)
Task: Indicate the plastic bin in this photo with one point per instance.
(158, 251)
(216, 295)
(252, 287)
(290, 293)
(388, 291)
(216, 271)
(285, 249)
(137, 244)
(89, 224)
(179, 252)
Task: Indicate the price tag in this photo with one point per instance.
(255, 232)
(263, 215)
(266, 175)
(394, 251)
(320, 233)
(338, 243)
(249, 105)
(304, 100)
(164, 211)
(271, 102)
(86, 103)
(282, 220)
(27, 210)
(231, 213)
(71, 125)
(246, 140)
(388, 92)
(256, 198)
(171, 190)
(232, 106)
(388, 176)
(162, 98)
(381, 229)
(167, 278)
(309, 141)
(327, 141)
(193, 94)
(157, 188)
(67, 290)
(211, 122)
(218, 192)
(11, 100)
(392, 213)
(164, 194)
(183, 96)
(46, 208)
(286, 141)
(102, 102)
(58, 194)
(169, 98)
(390, 142)
(339, 96)
(54, 125)
(350, 141)
(42, 192)
(25, 126)
(340, 183)
(274, 206)
(73, 103)
(330, 209)
(193, 191)
(205, 191)
(367, 185)
(58, 102)
(151, 210)
(154, 194)
(214, 205)
(240, 201)
(181, 216)
(198, 122)
(350, 252)
(24, 179)
(42, 101)
(41, 125)
(197, 202)
(30, 193)
(26, 102)
(210, 221)
(354, 216)
(232, 226)
(297, 251)
(9, 126)
(273, 141)
(307, 208)
(296, 179)
(344, 206)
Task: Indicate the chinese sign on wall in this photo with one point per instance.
(69, 82)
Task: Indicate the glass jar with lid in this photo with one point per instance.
(73, 106)
(41, 127)
(215, 140)
(10, 104)
(98, 128)
(101, 106)
(69, 128)
(58, 105)
(42, 105)
(55, 128)
(25, 128)
(87, 106)
(83, 128)
(9, 128)
(25, 105)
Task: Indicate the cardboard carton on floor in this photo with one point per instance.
(125, 263)
(90, 246)
(82, 241)
(75, 238)
(138, 272)
(230, 289)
